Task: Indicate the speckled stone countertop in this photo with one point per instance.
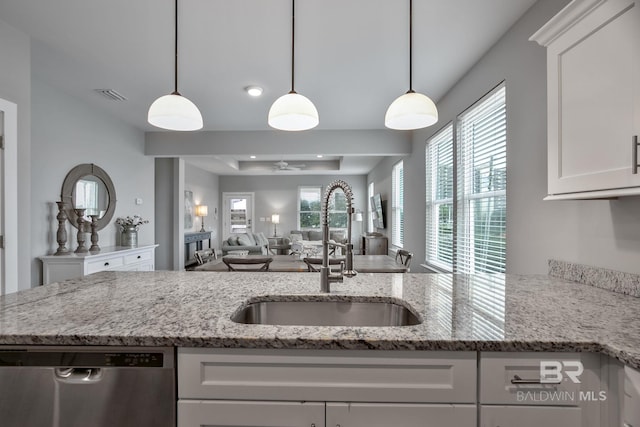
(193, 309)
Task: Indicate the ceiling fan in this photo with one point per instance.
(284, 166)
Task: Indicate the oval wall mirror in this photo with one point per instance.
(88, 186)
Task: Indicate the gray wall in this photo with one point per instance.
(66, 133)
(205, 188)
(599, 233)
(15, 86)
(279, 194)
(381, 178)
(165, 215)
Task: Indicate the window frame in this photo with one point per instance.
(433, 203)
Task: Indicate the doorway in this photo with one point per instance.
(237, 215)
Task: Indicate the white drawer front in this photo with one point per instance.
(354, 376)
(523, 416)
(137, 257)
(509, 378)
(104, 264)
(197, 413)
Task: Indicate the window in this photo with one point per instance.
(397, 203)
(474, 209)
(310, 209)
(370, 227)
(309, 206)
(439, 197)
(86, 196)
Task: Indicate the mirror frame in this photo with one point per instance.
(68, 187)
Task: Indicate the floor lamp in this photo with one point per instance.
(275, 219)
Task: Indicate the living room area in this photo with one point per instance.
(272, 193)
(270, 215)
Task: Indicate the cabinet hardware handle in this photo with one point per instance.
(106, 264)
(634, 156)
(517, 380)
(626, 425)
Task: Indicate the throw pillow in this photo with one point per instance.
(315, 235)
(295, 237)
(337, 236)
(261, 239)
(245, 240)
(233, 241)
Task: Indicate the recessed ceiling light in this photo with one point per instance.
(252, 157)
(253, 90)
(319, 156)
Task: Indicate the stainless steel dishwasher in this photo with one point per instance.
(87, 387)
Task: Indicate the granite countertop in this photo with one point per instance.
(193, 309)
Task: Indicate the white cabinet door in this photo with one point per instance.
(526, 416)
(592, 82)
(400, 415)
(215, 413)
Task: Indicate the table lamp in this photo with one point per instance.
(275, 219)
(202, 211)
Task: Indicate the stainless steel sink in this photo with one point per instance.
(326, 313)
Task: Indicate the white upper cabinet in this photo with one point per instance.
(593, 96)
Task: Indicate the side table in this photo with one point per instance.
(277, 245)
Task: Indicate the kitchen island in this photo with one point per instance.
(481, 343)
(459, 312)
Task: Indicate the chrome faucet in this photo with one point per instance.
(346, 268)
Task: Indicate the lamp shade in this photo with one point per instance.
(293, 112)
(202, 210)
(357, 216)
(411, 111)
(275, 218)
(175, 112)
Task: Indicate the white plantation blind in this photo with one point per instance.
(481, 186)
(370, 226)
(397, 204)
(487, 301)
(439, 199)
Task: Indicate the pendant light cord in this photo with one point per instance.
(293, 42)
(410, 46)
(175, 67)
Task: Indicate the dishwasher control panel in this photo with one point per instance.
(84, 358)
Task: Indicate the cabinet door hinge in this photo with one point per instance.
(1, 142)
(1, 242)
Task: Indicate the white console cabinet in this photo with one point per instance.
(264, 388)
(593, 99)
(117, 258)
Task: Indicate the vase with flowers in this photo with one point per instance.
(129, 229)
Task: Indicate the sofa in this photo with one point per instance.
(309, 241)
(255, 243)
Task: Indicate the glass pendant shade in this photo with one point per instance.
(175, 112)
(411, 111)
(293, 112)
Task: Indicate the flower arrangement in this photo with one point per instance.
(131, 221)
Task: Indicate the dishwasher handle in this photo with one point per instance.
(78, 375)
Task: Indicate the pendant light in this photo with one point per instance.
(174, 111)
(412, 110)
(293, 111)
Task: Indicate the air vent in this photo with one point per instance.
(111, 94)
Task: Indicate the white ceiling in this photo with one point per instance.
(351, 55)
